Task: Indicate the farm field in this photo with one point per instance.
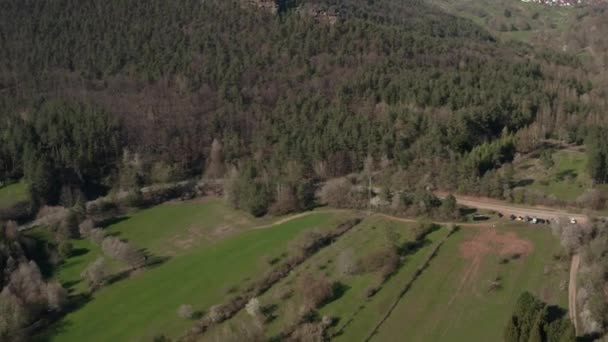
(145, 305)
(12, 194)
(455, 298)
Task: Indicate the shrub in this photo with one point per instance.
(97, 235)
(65, 249)
(57, 296)
(123, 251)
(347, 262)
(95, 273)
(253, 307)
(336, 193)
(185, 311)
(384, 260)
(315, 291)
(85, 227)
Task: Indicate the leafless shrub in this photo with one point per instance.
(26, 283)
(591, 199)
(123, 251)
(97, 235)
(308, 332)
(253, 307)
(85, 227)
(347, 264)
(336, 193)
(185, 311)
(384, 260)
(95, 273)
(13, 316)
(285, 202)
(315, 291)
(57, 296)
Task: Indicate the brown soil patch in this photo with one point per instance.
(489, 241)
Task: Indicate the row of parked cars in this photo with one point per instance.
(536, 220)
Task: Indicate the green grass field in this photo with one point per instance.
(145, 304)
(452, 301)
(510, 20)
(173, 228)
(13, 194)
(566, 180)
(355, 313)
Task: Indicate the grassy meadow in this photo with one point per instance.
(202, 274)
(454, 300)
(566, 180)
(12, 194)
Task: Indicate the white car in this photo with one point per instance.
(572, 220)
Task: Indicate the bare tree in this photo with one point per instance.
(124, 251)
(95, 273)
(347, 262)
(97, 235)
(13, 316)
(215, 167)
(56, 295)
(253, 307)
(86, 227)
(315, 291)
(336, 193)
(286, 201)
(26, 283)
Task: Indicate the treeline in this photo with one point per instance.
(26, 296)
(399, 81)
(534, 320)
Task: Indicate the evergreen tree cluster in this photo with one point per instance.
(535, 321)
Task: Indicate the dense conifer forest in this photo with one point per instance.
(400, 81)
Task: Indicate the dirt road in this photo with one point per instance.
(511, 209)
(576, 260)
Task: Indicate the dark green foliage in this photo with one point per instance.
(250, 192)
(597, 152)
(69, 148)
(449, 208)
(536, 321)
(546, 159)
(490, 155)
(306, 195)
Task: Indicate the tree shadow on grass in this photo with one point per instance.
(58, 324)
(76, 252)
(566, 174)
(112, 221)
(151, 262)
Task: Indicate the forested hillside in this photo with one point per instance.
(107, 97)
(397, 80)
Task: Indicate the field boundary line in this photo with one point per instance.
(408, 285)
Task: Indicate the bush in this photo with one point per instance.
(336, 193)
(185, 311)
(65, 249)
(95, 273)
(347, 262)
(385, 260)
(315, 291)
(123, 251)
